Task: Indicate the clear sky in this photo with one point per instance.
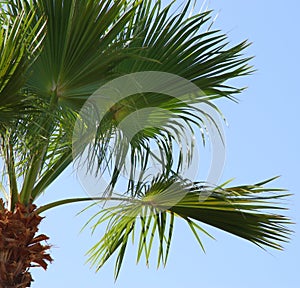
(262, 141)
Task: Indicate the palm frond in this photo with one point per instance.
(80, 48)
(247, 211)
(20, 43)
(168, 43)
(186, 46)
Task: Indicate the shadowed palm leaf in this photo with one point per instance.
(19, 46)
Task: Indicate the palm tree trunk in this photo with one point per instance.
(20, 248)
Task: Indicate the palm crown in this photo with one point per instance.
(56, 54)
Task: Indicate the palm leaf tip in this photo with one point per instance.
(248, 212)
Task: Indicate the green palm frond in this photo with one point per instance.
(186, 46)
(163, 128)
(21, 38)
(176, 44)
(247, 211)
(80, 48)
(20, 43)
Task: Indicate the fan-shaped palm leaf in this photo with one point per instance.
(246, 211)
(176, 44)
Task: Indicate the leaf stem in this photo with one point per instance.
(76, 200)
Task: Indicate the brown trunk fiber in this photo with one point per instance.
(20, 248)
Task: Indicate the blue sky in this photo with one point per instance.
(262, 142)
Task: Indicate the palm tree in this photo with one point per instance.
(55, 54)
